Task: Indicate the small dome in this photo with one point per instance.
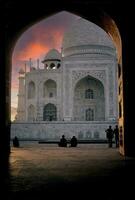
(21, 71)
(84, 32)
(53, 54)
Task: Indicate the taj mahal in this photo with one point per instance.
(75, 93)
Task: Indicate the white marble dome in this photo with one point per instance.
(83, 33)
(52, 55)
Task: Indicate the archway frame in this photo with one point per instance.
(101, 19)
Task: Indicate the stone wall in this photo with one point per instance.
(54, 130)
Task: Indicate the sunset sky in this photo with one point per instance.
(34, 43)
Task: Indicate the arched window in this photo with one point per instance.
(50, 112)
(89, 94)
(31, 90)
(49, 89)
(52, 65)
(31, 113)
(58, 66)
(89, 114)
(46, 65)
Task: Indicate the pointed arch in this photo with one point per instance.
(89, 114)
(89, 100)
(52, 65)
(50, 89)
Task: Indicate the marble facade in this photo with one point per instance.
(87, 63)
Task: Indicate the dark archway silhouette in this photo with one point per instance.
(95, 13)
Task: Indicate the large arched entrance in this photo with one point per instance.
(89, 101)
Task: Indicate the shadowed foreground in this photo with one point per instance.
(45, 171)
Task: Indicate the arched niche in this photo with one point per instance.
(50, 89)
(50, 112)
(92, 108)
(31, 90)
(31, 113)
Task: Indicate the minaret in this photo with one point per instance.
(21, 96)
(37, 63)
(30, 63)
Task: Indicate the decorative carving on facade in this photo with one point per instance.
(79, 74)
(85, 49)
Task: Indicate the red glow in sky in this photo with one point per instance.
(35, 42)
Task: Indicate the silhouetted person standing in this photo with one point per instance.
(116, 135)
(15, 142)
(73, 141)
(63, 142)
(109, 135)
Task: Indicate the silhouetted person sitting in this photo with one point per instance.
(116, 134)
(109, 135)
(15, 142)
(73, 141)
(63, 142)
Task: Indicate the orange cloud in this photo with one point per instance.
(33, 50)
(36, 42)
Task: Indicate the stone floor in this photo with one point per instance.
(91, 170)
